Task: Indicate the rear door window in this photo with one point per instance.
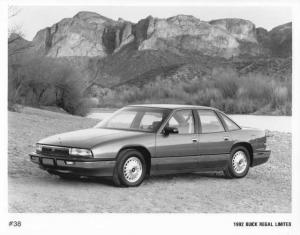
(210, 122)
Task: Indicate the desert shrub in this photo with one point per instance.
(204, 97)
(228, 87)
(38, 81)
(245, 106)
(83, 107)
(226, 80)
(255, 87)
(192, 87)
(213, 94)
(15, 107)
(286, 109)
(280, 95)
(228, 105)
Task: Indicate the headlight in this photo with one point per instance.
(38, 148)
(80, 152)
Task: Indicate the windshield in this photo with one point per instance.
(136, 118)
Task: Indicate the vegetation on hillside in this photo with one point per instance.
(224, 89)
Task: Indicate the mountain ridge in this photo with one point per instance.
(91, 34)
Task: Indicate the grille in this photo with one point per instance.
(55, 151)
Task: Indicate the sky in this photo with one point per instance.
(33, 18)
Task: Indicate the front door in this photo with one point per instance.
(177, 152)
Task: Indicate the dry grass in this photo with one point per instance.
(267, 188)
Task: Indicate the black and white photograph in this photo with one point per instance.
(152, 111)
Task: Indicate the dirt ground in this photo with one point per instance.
(266, 188)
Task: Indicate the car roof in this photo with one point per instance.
(172, 106)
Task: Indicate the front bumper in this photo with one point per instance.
(82, 167)
(260, 157)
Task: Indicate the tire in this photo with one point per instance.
(130, 169)
(239, 163)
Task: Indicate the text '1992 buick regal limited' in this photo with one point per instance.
(141, 140)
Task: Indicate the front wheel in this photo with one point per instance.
(130, 168)
(239, 163)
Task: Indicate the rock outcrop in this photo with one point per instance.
(18, 46)
(278, 40)
(186, 33)
(281, 40)
(239, 28)
(86, 34)
(92, 35)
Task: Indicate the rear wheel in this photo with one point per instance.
(239, 163)
(130, 168)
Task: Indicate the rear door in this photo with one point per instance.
(214, 142)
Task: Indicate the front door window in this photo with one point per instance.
(183, 120)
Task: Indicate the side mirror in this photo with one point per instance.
(170, 130)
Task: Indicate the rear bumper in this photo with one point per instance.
(80, 167)
(261, 157)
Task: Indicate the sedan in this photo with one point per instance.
(142, 140)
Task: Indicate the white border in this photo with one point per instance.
(153, 2)
(148, 223)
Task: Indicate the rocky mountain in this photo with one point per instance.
(122, 50)
(281, 40)
(17, 44)
(278, 41)
(90, 34)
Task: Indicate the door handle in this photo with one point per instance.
(194, 140)
(226, 138)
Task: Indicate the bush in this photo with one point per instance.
(255, 87)
(37, 81)
(227, 81)
(245, 106)
(280, 96)
(15, 107)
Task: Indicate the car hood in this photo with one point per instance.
(88, 138)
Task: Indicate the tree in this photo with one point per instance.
(16, 43)
(47, 81)
(16, 46)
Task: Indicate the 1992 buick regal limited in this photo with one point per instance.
(140, 140)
